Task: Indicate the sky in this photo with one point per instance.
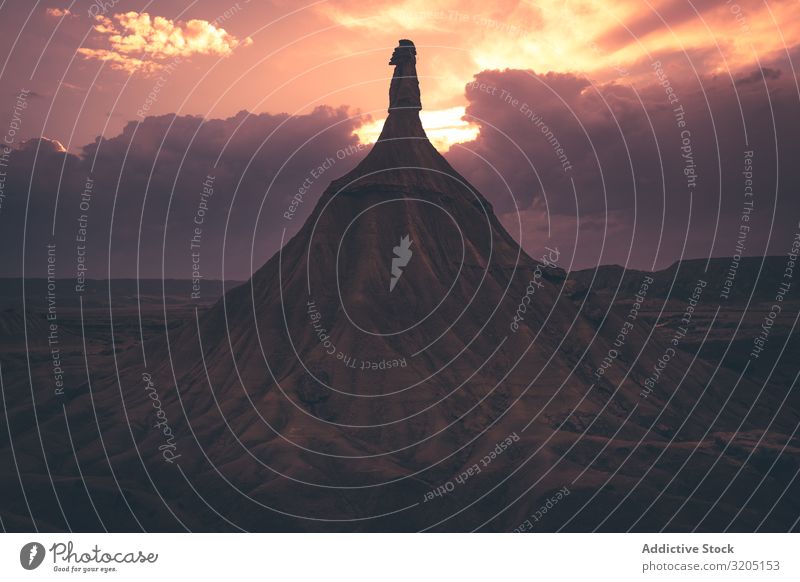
(563, 114)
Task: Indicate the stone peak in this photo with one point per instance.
(404, 88)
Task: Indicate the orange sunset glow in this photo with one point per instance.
(266, 62)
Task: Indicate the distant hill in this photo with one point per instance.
(758, 276)
(123, 292)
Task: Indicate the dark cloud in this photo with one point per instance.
(623, 148)
(760, 75)
(147, 186)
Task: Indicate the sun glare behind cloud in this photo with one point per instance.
(444, 128)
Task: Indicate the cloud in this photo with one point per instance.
(420, 15)
(154, 172)
(58, 12)
(760, 75)
(577, 154)
(43, 144)
(138, 42)
(598, 38)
